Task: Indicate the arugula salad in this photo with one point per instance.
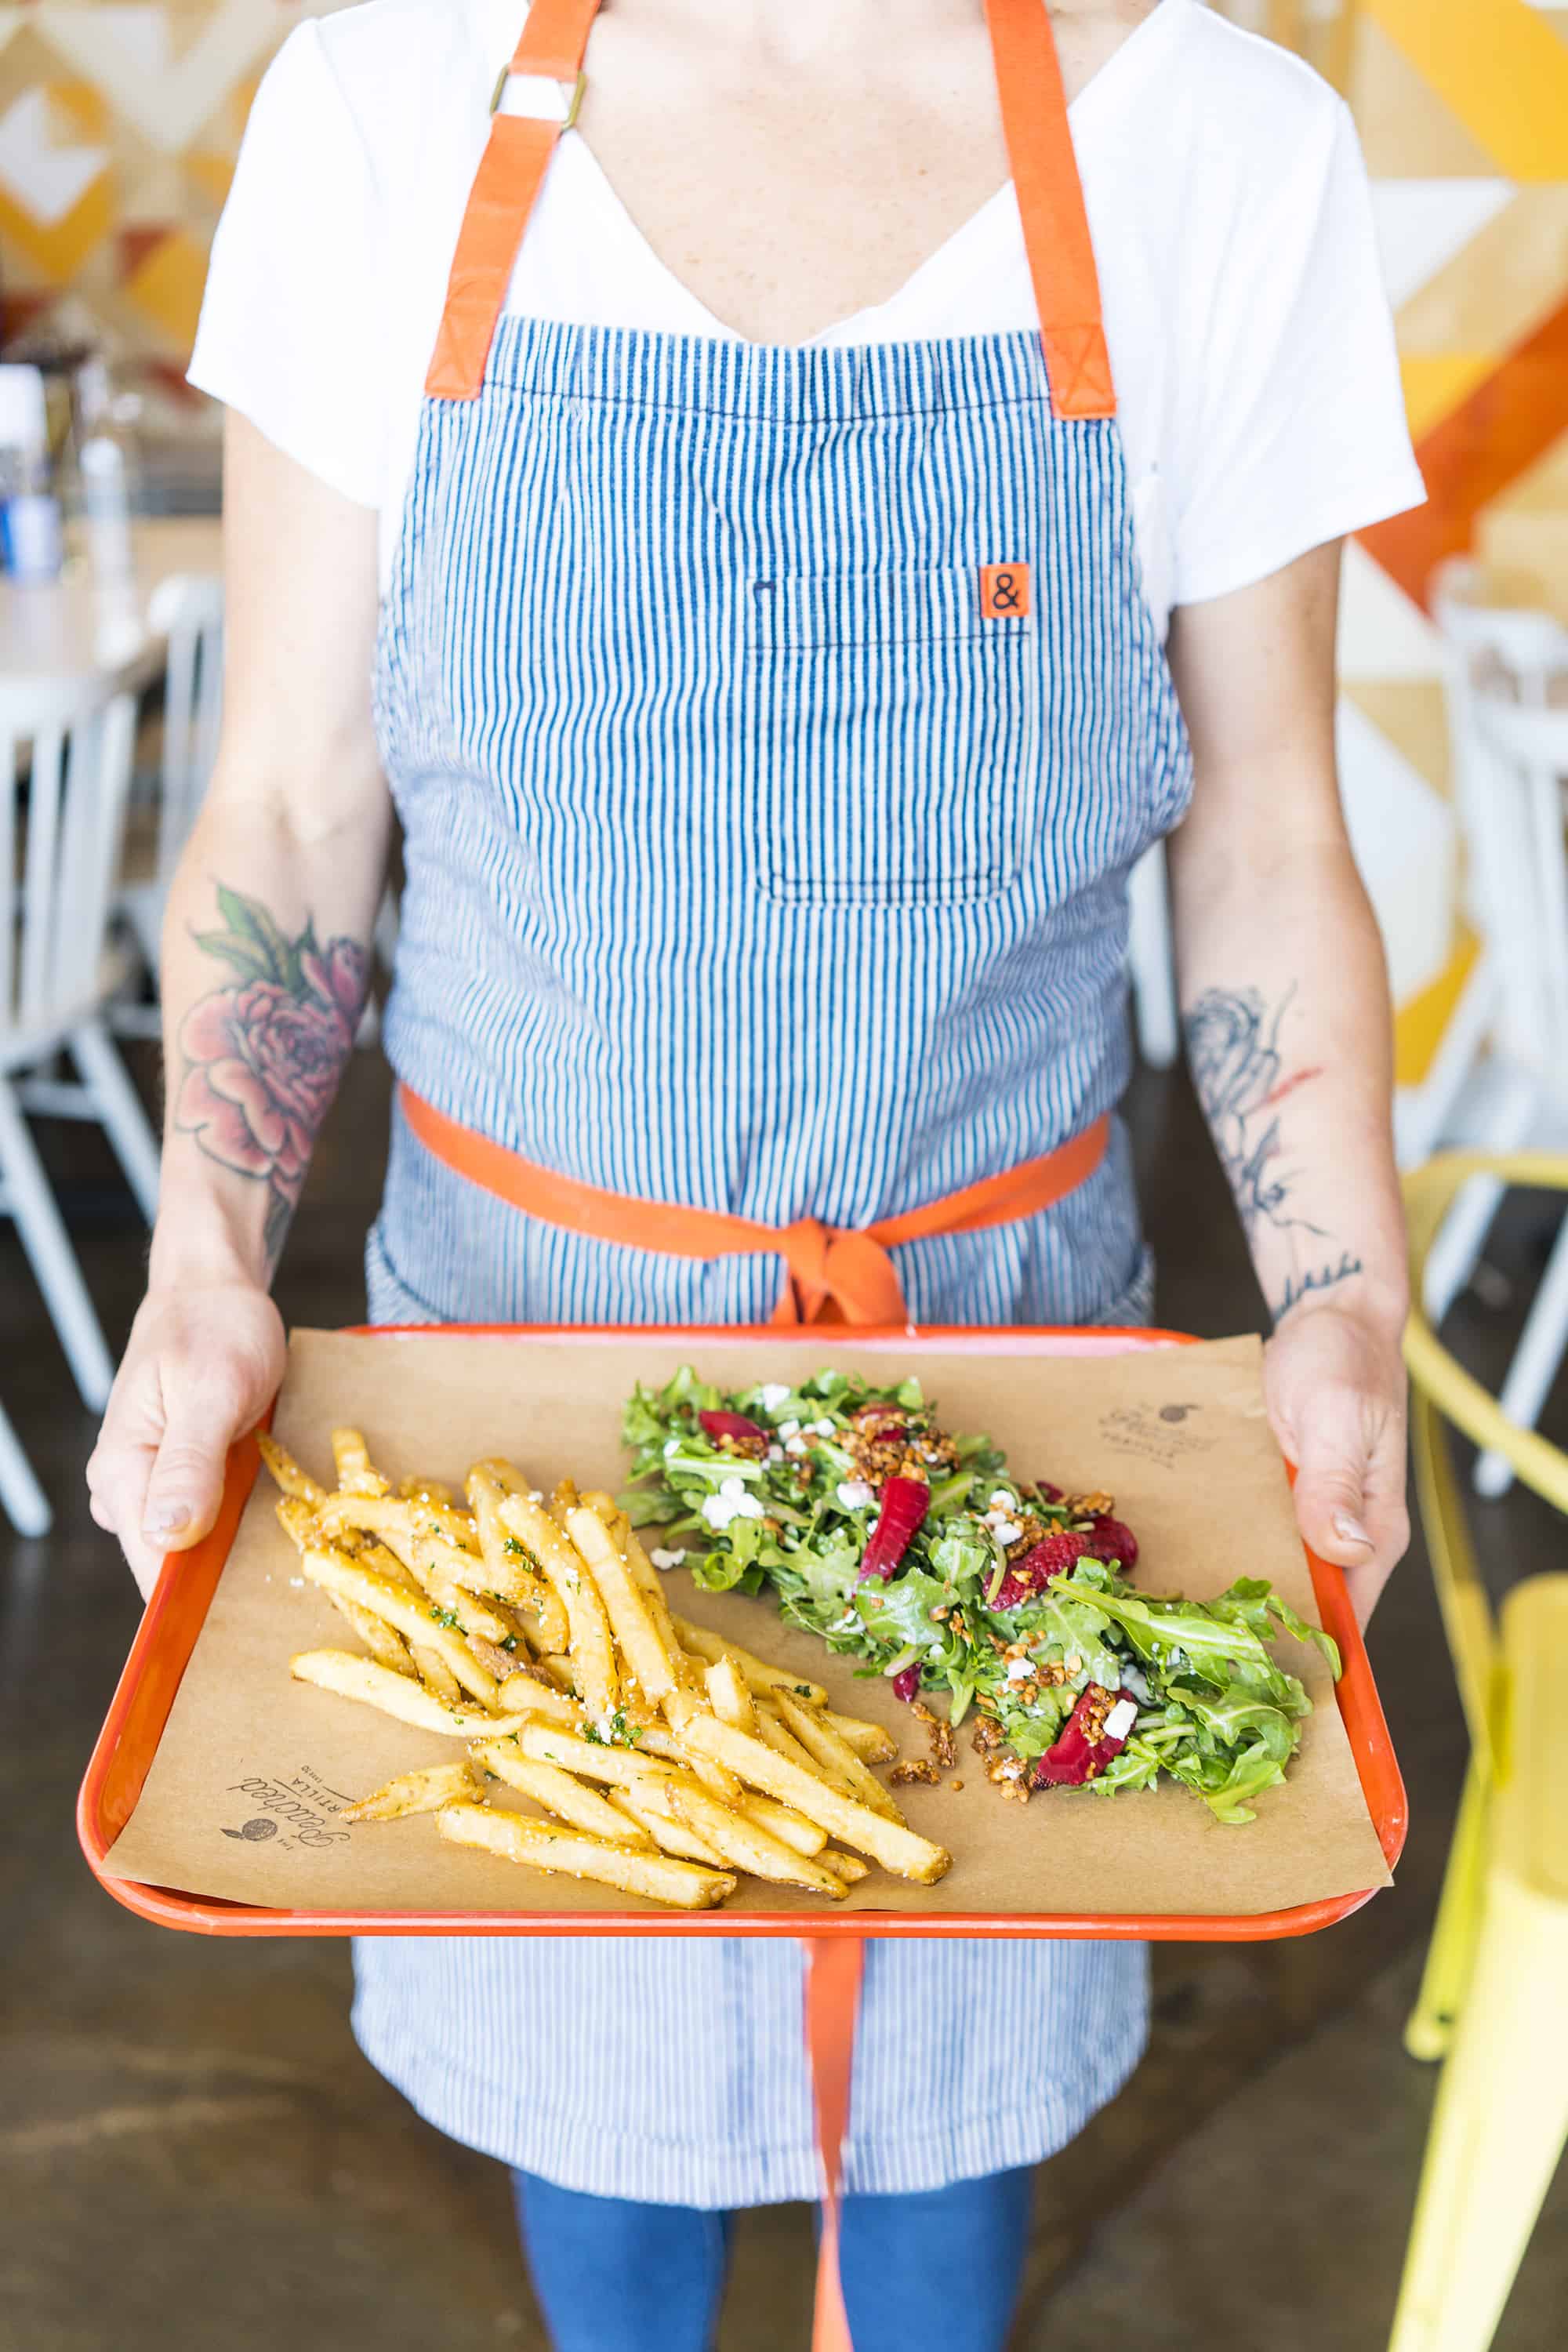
(918, 1553)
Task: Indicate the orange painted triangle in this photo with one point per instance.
(1475, 454)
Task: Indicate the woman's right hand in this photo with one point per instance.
(203, 1365)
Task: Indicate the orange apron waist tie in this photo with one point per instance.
(832, 1275)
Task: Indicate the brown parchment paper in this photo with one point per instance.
(243, 1796)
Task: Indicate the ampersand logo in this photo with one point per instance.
(1004, 591)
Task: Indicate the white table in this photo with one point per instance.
(64, 633)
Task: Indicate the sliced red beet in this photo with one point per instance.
(907, 1685)
(732, 1425)
(905, 1502)
(1081, 1751)
(1052, 1555)
(1113, 1540)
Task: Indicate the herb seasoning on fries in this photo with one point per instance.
(662, 1759)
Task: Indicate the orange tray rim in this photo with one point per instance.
(126, 1746)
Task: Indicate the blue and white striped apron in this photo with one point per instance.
(749, 866)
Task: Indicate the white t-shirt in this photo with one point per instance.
(1250, 337)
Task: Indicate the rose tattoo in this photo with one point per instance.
(264, 1056)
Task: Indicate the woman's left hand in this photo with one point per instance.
(1335, 1385)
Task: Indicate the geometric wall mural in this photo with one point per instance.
(120, 121)
(1462, 108)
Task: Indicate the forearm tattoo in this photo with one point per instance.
(262, 1056)
(1233, 1051)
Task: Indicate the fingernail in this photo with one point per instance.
(166, 1519)
(1351, 1531)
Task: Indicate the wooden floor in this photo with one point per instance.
(193, 2154)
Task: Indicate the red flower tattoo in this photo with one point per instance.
(263, 1058)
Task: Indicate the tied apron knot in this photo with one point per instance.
(832, 1275)
(835, 1276)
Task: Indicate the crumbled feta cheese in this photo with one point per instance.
(854, 1494)
(1012, 1771)
(776, 1453)
(789, 1429)
(823, 1428)
(795, 1445)
(296, 1580)
(661, 1558)
(1121, 1719)
(1020, 1670)
(1007, 1531)
(536, 1494)
(732, 1502)
(772, 1395)
(1002, 1500)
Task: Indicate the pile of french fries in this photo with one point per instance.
(662, 1760)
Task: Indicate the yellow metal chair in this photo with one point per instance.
(1494, 1996)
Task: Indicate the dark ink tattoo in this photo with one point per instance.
(1322, 1277)
(1233, 1051)
(263, 1057)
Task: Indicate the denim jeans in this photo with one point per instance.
(941, 2267)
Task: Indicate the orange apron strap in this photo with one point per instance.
(1050, 203)
(833, 1966)
(832, 1276)
(506, 185)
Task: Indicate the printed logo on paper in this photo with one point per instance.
(301, 1811)
(1166, 1434)
(1004, 591)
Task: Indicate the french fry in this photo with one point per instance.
(508, 1572)
(622, 1768)
(677, 1707)
(525, 1694)
(770, 1731)
(686, 1668)
(349, 1676)
(790, 1827)
(385, 1645)
(416, 1792)
(844, 1818)
(760, 1678)
(746, 1845)
(432, 1668)
(847, 1866)
(646, 1805)
(631, 1621)
(869, 1741)
(418, 1623)
(839, 1757)
(559, 1669)
(593, 1653)
(389, 1515)
(287, 1472)
(728, 1694)
(557, 1792)
(423, 1490)
(540, 1846)
(499, 1662)
(355, 1473)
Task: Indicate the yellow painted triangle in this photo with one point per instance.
(1436, 386)
(1406, 131)
(1499, 67)
(1418, 1025)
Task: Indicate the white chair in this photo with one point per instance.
(1474, 1094)
(62, 815)
(21, 1496)
(1529, 751)
(186, 610)
(1150, 956)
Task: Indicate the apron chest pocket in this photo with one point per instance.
(894, 726)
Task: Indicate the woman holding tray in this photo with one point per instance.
(785, 521)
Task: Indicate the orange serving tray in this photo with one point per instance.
(168, 1633)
